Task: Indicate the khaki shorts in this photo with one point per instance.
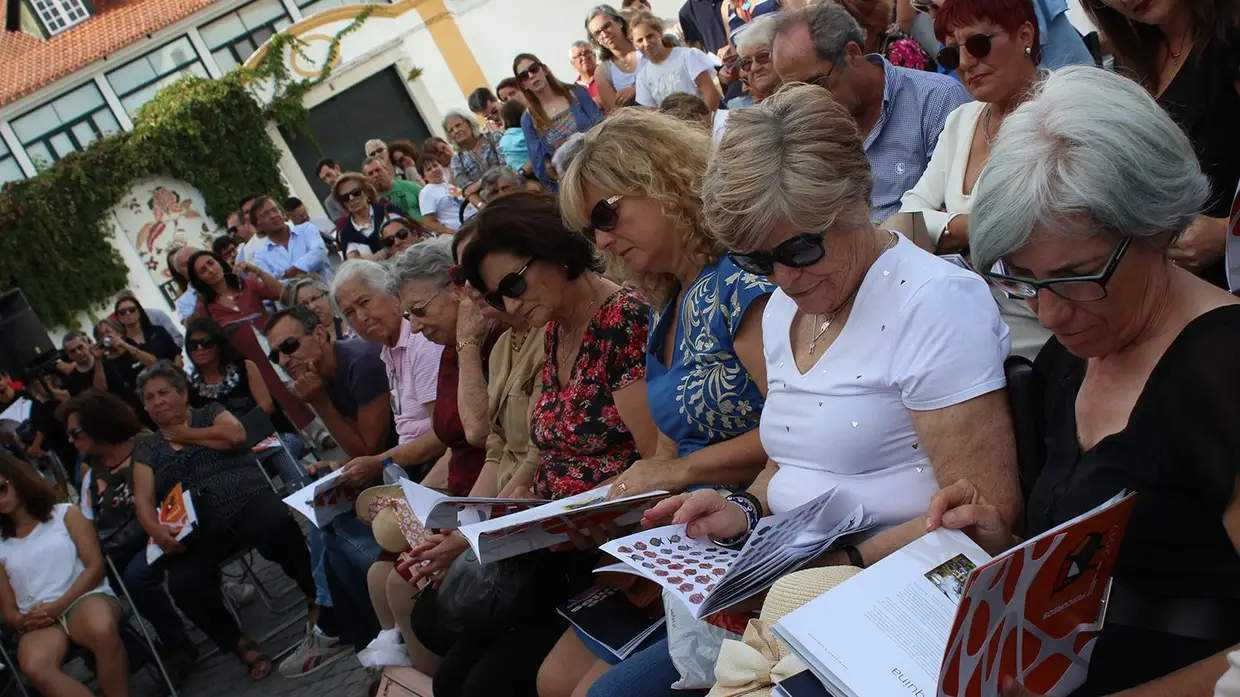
(63, 620)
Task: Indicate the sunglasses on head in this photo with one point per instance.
(977, 45)
(511, 286)
(351, 194)
(604, 215)
(797, 253)
(533, 69)
(401, 234)
(194, 345)
(420, 310)
(288, 347)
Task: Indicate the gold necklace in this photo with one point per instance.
(829, 318)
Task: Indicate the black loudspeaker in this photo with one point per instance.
(24, 342)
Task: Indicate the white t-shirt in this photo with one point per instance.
(923, 334)
(443, 203)
(43, 565)
(676, 73)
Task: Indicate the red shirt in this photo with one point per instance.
(466, 461)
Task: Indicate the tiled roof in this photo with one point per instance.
(31, 63)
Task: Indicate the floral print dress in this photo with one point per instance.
(577, 429)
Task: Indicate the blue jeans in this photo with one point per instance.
(318, 551)
(349, 550)
(145, 586)
(649, 672)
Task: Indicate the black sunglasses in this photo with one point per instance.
(977, 45)
(420, 310)
(1081, 289)
(232, 229)
(401, 234)
(288, 347)
(797, 253)
(604, 215)
(511, 286)
(73, 433)
(533, 69)
(200, 344)
(351, 194)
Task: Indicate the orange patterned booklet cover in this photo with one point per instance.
(940, 616)
(177, 512)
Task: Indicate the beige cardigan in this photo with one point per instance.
(514, 385)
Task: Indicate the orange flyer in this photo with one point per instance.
(1034, 612)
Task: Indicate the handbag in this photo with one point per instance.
(490, 599)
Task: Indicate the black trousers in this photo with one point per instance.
(265, 525)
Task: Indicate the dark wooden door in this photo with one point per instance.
(378, 107)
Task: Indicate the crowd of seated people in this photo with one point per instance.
(708, 299)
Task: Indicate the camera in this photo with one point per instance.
(107, 341)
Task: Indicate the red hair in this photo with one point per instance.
(1009, 15)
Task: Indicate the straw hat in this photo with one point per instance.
(386, 510)
(750, 667)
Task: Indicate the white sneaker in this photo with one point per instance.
(316, 652)
(387, 649)
(240, 593)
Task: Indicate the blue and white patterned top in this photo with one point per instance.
(706, 395)
(915, 107)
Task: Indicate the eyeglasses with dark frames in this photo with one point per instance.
(796, 253)
(1081, 289)
(288, 347)
(420, 310)
(511, 286)
(400, 234)
(604, 216)
(531, 69)
(351, 194)
(761, 58)
(978, 46)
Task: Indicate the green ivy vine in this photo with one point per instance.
(55, 228)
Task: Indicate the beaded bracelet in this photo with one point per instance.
(752, 513)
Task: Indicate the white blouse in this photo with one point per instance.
(923, 334)
(940, 191)
(43, 565)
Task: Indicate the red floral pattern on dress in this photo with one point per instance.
(580, 436)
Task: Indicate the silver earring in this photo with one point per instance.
(1028, 51)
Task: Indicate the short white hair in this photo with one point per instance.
(760, 33)
(428, 260)
(373, 141)
(467, 118)
(1091, 144)
(370, 272)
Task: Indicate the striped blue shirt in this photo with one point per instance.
(915, 106)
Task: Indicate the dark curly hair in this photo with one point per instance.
(103, 416)
(36, 495)
(528, 224)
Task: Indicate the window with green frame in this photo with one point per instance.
(136, 82)
(67, 123)
(234, 37)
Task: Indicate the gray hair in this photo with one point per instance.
(492, 177)
(796, 156)
(372, 141)
(760, 32)
(370, 272)
(567, 152)
(579, 43)
(467, 118)
(288, 297)
(380, 160)
(163, 369)
(1114, 157)
(830, 27)
(428, 260)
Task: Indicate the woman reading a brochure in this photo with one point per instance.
(203, 452)
(637, 185)
(590, 423)
(884, 363)
(1142, 386)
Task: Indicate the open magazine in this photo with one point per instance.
(940, 615)
(177, 512)
(442, 512)
(322, 500)
(709, 578)
(547, 525)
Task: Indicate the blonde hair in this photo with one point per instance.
(639, 18)
(361, 179)
(796, 156)
(637, 152)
